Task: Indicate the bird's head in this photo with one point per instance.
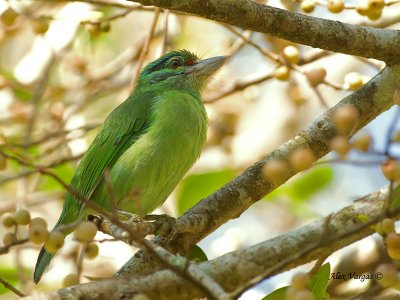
(178, 70)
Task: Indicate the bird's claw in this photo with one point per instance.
(125, 216)
(161, 225)
(165, 225)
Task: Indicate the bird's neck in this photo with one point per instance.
(180, 112)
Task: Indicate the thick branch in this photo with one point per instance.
(238, 195)
(233, 269)
(381, 44)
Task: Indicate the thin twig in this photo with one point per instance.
(391, 130)
(166, 32)
(56, 134)
(317, 265)
(323, 241)
(239, 43)
(182, 263)
(142, 243)
(5, 249)
(37, 96)
(146, 47)
(119, 4)
(320, 98)
(334, 85)
(359, 163)
(275, 57)
(237, 86)
(116, 16)
(26, 173)
(312, 56)
(79, 263)
(10, 287)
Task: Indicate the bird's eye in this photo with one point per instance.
(175, 63)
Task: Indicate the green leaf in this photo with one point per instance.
(319, 282)
(396, 198)
(197, 186)
(278, 294)
(197, 254)
(23, 94)
(313, 181)
(304, 186)
(363, 218)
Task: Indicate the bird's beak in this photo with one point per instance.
(207, 67)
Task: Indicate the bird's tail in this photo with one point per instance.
(45, 257)
(42, 263)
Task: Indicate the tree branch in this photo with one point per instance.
(241, 266)
(381, 44)
(238, 195)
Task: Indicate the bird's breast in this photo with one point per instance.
(151, 168)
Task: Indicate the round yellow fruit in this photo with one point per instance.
(301, 159)
(54, 241)
(276, 170)
(335, 6)
(281, 73)
(85, 232)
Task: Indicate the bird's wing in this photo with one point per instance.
(123, 126)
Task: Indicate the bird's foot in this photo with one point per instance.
(165, 225)
(161, 225)
(127, 217)
(136, 223)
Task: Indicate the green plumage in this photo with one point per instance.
(148, 142)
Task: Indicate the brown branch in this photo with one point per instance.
(166, 33)
(146, 47)
(243, 84)
(179, 261)
(56, 134)
(236, 86)
(79, 262)
(236, 196)
(26, 173)
(271, 55)
(112, 3)
(278, 254)
(10, 287)
(382, 44)
(144, 244)
(116, 16)
(37, 96)
(5, 249)
(238, 44)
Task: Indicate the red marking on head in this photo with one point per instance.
(190, 62)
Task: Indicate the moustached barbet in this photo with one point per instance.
(147, 143)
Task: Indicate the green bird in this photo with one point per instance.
(147, 143)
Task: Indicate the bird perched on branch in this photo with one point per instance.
(147, 143)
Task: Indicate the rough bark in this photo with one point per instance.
(295, 248)
(235, 197)
(381, 44)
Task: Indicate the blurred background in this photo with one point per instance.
(65, 65)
